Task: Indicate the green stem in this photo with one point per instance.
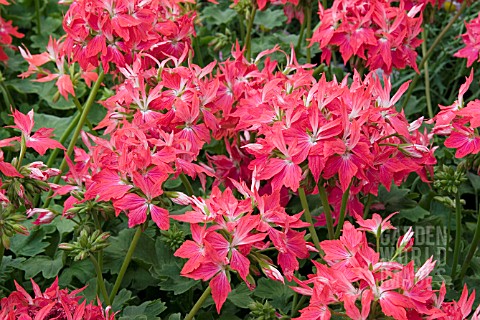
(199, 304)
(63, 138)
(248, 37)
(300, 35)
(448, 233)
(7, 96)
(326, 209)
(427, 76)
(366, 208)
(125, 264)
(198, 52)
(458, 234)
(79, 108)
(430, 51)
(2, 252)
(294, 304)
(23, 150)
(100, 281)
(378, 244)
(308, 217)
(37, 16)
(186, 184)
(299, 305)
(78, 129)
(324, 4)
(472, 250)
(343, 208)
(308, 16)
(241, 27)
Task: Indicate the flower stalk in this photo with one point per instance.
(125, 264)
(458, 233)
(326, 210)
(343, 210)
(308, 217)
(199, 304)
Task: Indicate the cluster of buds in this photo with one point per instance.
(10, 224)
(173, 237)
(262, 311)
(448, 179)
(86, 244)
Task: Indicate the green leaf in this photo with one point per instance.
(474, 180)
(270, 19)
(64, 225)
(414, 214)
(46, 265)
(48, 121)
(167, 269)
(82, 270)
(240, 296)
(115, 252)
(121, 298)
(397, 199)
(148, 310)
(8, 264)
(274, 290)
(216, 15)
(31, 245)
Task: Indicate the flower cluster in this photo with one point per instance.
(31, 178)
(384, 36)
(7, 31)
(53, 303)
(227, 235)
(355, 273)
(296, 127)
(472, 42)
(460, 123)
(112, 31)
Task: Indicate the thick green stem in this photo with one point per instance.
(472, 250)
(80, 109)
(366, 208)
(308, 217)
(125, 264)
(23, 150)
(326, 209)
(427, 76)
(430, 51)
(378, 243)
(300, 35)
(198, 51)
(448, 233)
(458, 234)
(78, 129)
(248, 37)
(199, 304)
(2, 252)
(343, 209)
(308, 16)
(100, 281)
(298, 305)
(63, 138)
(37, 16)
(241, 27)
(186, 184)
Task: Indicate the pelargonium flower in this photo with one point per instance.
(357, 278)
(471, 38)
(382, 35)
(7, 31)
(53, 303)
